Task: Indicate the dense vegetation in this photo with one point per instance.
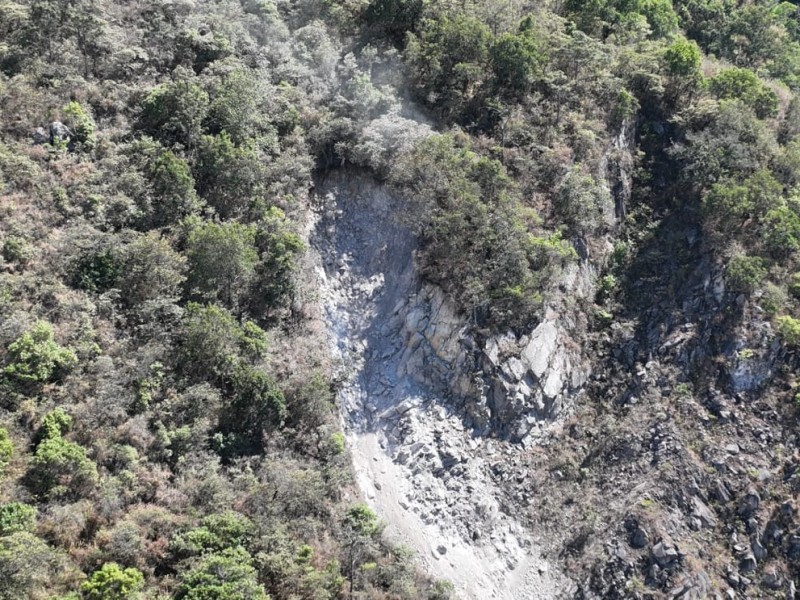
(167, 426)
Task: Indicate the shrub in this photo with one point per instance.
(683, 57)
(54, 424)
(222, 260)
(257, 406)
(60, 468)
(789, 329)
(36, 357)
(6, 450)
(225, 575)
(174, 112)
(173, 190)
(16, 517)
(97, 272)
(80, 121)
(217, 532)
(745, 273)
(212, 343)
(744, 85)
(111, 582)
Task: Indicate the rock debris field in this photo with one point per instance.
(426, 474)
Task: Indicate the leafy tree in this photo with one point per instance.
(212, 342)
(516, 59)
(449, 60)
(230, 178)
(361, 526)
(28, 566)
(279, 248)
(112, 582)
(683, 57)
(173, 190)
(36, 357)
(17, 517)
(781, 232)
(744, 85)
(239, 108)
(152, 272)
(55, 424)
(97, 271)
(393, 19)
(174, 112)
(222, 260)
(216, 533)
(257, 406)
(60, 468)
(745, 273)
(225, 575)
(582, 204)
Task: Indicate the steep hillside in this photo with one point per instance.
(398, 299)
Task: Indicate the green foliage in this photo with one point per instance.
(475, 243)
(174, 112)
(581, 202)
(225, 575)
(789, 329)
(279, 248)
(230, 178)
(28, 566)
(222, 261)
(81, 123)
(112, 582)
(54, 424)
(152, 273)
(17, 517)
(216, 533)
(239, 109)
(745, 273)
(212, 342)
(516, 60)
(6, 452)
(595, 16)
(393, 19)
(683, 57)
(448, 59)
(60, 468)
(97, 272)
(258, 406)
(781, 231)
(35, 356)
(173, 189)
(744, 85)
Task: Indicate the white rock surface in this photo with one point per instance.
(403, 357)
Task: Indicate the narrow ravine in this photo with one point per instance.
(417, 465)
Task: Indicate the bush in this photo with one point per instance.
(212, 343)
(744, 85)
(60, 468)
(173, 190)
(226, 575)
(257, 406)
(745, 273)
(16, 517)
(216, 533)
(97, 272)
(683, 57)
(174, 112)
(54, 424)
(111, 582)
(36, 357)
(789, 329)
(6, 450)
(222, 260)
(80, 121)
